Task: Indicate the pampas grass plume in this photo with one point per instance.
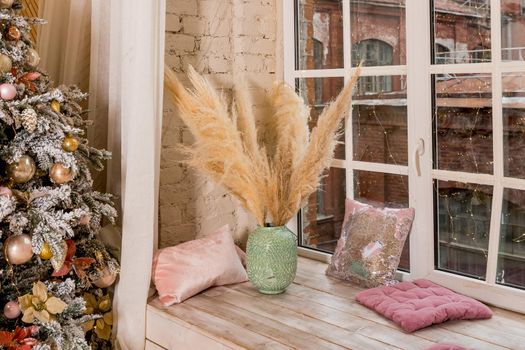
(272, 185)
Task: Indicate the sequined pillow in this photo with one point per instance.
(370, 245)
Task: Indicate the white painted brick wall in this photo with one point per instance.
(222, 39)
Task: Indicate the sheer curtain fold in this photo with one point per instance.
(64, 43)
(65, 47)
(114, 48)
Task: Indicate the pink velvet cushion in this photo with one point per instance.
(184, 270)
(371, 243)
(419, 304)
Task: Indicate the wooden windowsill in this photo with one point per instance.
(316, 312)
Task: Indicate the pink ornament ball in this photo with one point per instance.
(4, 191)
(7, 91)
(12, 310)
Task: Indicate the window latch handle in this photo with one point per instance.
(420, 150)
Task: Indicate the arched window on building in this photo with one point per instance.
(373, 52)
(318, 64)
(442, 54)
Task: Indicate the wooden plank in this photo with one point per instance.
(152, 346)
(489, 331)
(341, 319)
(162, 329)
(282, 333)
(326, 331)
(348, 305)
(441, 335)
(338, 291)
(311, 273)
(219, 329)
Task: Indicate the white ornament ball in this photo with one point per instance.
(7, 91)
(18, 249)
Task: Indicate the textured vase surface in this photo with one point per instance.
(271, 254)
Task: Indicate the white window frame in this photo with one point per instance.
(419, 71)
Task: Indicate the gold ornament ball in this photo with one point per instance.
(5, 4)
(70, 143)
(106, 279)
(59, 174)
(55, 106)
(46, 252)
(23, 170)
(17, 249)
(32, 57)
(5, 63)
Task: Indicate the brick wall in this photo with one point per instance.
(222, 39)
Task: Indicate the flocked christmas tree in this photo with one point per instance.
(54, 272)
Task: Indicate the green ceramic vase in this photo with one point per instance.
(271, 258)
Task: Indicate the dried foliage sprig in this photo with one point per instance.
(272, 185)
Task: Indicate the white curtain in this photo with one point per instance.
(64, 43)
(65, 48)
(124, 45)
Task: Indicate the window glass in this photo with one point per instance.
(463, 123)
(512, 30)
(324, 213)
(514, 124)
(378, 32)
(461, 31)
(511, 258)
(379, 118)
(317, 92)
(319, 34)
(463, 226)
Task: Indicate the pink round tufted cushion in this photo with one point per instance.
(419, 304)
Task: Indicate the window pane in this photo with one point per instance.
(461, 31)
(511, 261)
(463, 123)
(317, 92)
(319, 34)
(378, 32)
(384, 190)
(324, 213)
(512, 30)
(514, 124)
(463, 225)
(379, 118)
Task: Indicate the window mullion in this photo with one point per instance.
(289, 41)
(419, 108)
(349, 149)
(497, 132)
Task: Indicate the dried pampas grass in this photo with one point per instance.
(271, 179)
